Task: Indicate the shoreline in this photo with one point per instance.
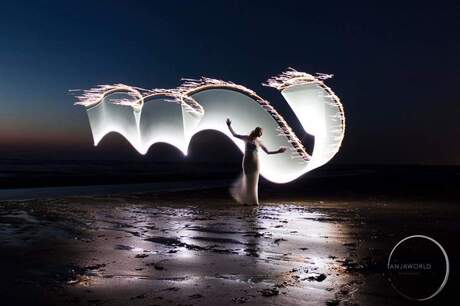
(197, 247)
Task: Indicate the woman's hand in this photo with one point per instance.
(282, 149)
(228, 121)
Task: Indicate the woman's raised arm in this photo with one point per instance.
(280, 150)
(229, 124)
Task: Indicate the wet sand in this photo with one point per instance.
(199, 248)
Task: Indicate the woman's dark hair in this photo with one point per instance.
(257, 132)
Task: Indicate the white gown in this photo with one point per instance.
(245, 189)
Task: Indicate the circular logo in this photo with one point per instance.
(418, 267)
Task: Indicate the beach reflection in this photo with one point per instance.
(275, 245)
(284, 249)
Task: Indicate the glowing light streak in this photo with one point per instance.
(204, 103)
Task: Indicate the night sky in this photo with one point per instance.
(396, 69)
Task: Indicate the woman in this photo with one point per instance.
(245, 189)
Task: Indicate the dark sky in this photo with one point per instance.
(396, 67)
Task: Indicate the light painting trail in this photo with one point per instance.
(145, 117)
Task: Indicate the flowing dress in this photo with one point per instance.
(245, 189)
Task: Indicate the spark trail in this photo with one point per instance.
(148, 116)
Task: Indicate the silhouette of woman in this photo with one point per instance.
(245, 190)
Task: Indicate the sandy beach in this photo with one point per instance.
(199, 248)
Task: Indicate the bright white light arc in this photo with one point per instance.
(174, 116)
